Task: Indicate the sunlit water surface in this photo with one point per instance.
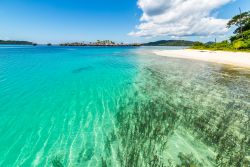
(73, 106)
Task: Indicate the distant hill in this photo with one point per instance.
(170, 43)
(209, 43)
(10, 42)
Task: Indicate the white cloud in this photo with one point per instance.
(180, 18)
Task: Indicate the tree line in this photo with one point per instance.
(239, 41)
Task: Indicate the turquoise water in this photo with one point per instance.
(74, 106)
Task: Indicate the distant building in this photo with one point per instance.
(99, 43)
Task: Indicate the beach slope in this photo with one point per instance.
(241, 59)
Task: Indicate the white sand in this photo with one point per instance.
(241, 59)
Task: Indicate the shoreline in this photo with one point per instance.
(241, 59)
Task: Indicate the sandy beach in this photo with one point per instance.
(241, 59)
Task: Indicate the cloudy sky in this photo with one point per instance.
(58, 21)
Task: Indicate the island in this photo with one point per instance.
(170, 43)
(99, 43)
(12, 42)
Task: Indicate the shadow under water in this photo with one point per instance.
(82, 69)
(170, 119)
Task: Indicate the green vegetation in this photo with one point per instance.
(238, 42)
(150, 118)
(170, 43)
(16, 42)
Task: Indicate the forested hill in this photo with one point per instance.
(170, 43)
(10, 42)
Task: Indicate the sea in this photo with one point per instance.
(120, 107)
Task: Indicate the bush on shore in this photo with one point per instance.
(238, 42)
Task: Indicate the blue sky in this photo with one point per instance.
(59, 21)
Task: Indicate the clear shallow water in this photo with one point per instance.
(70, 106)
